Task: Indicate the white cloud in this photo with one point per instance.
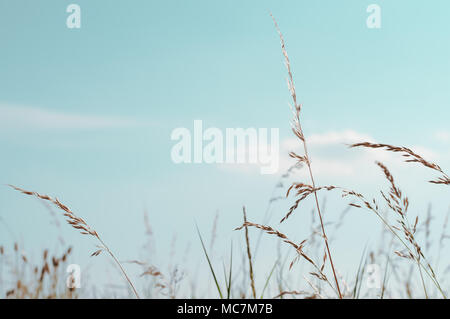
(329, 152)
(332, 158)
(20, 117)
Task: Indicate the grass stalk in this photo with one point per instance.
(298, 131)
(249, 255)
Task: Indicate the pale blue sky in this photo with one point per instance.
(86, 115)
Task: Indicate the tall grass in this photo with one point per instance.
(241, 280)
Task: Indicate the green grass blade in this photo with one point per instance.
(230, 274)
(268, 279)
(357, 287)
(209, 262)
(383, 288)
(225, 274)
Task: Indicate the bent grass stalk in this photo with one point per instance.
(79, 224)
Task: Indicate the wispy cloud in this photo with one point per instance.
(329, 152)
(23, 117)
(331, 157)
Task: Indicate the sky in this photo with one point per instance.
(86, 114)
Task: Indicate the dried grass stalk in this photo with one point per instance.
(249, 255)
(298, 131)
(411, 157)
(79, 224)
